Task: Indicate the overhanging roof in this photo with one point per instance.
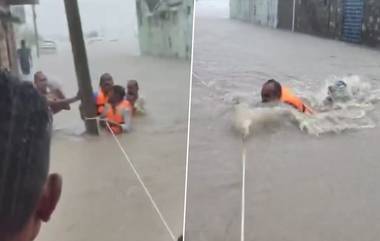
(22, 2)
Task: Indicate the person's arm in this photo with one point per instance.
(127, 120)
(140, 105)
(58, 105)
(68, 101)
(105, 110)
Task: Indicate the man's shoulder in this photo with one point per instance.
(52, 84)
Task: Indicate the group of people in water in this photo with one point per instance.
(117, 105)
(114, 104)
(28, 193)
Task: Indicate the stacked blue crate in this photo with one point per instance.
(353, 19)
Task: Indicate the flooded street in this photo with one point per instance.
(322, 187)
(102, 198)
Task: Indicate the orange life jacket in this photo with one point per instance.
(101, 99)
(289, 98)
(116, 116)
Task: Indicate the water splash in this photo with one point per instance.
(248, 120)
(360, 94)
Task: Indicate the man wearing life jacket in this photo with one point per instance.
(101, 97)
(273, 91)
(118, 111)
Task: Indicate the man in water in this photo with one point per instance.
(24, 55)
(273, 91)
(28, 195)
(337, 92)
(55, 97)
(101, 97)
(118, 111)
(134, 98)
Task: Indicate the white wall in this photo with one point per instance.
(257, 11)
(266, 12)
(166, 33)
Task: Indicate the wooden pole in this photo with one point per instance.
(81, 64)
(294, 16)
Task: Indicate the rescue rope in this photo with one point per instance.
(244, 158)
(137, 174)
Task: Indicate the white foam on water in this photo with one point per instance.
(248, 120)
(353, 114)
(359, 93)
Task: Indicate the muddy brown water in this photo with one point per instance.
(298, 186)
(102, 199)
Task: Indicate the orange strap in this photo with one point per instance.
(116, 116)
(101, 100)
(289, 98)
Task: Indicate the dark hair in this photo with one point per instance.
(133, 82)
(277, 86)
(24, 151)
(104, 77)
(23, 42)
(36, 74)
(118, 90)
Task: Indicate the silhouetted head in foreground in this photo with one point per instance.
(180, 238)
(106, 83)
(271, 91)
(28, 195)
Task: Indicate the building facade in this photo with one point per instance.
(371, 23)
(356, 21)
(165, 27)
(8, 54)
(322, 18)
(256, 11)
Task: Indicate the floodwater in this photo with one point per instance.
(102, 198)
(310, 178)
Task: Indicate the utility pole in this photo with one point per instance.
(81, 64)
(36, 37)
(294, 16)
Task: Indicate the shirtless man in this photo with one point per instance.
(134, 98)
(55, 97)
(118, 111)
